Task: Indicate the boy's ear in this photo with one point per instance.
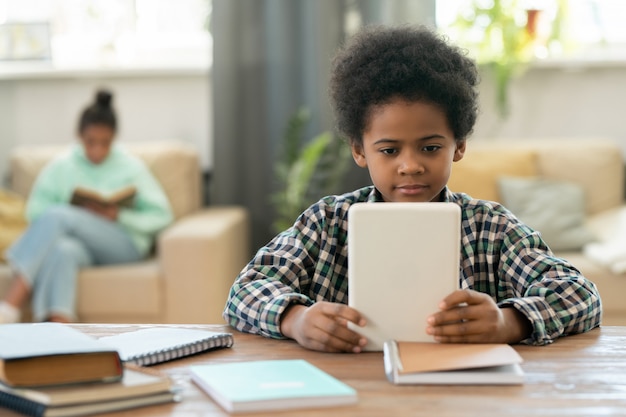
(460, 150)
(358, 155)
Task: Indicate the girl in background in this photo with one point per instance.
(62, 238)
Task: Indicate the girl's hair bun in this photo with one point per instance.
(104, 98)
(99, 112)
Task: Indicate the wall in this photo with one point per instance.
(152, 105)
(567, 101)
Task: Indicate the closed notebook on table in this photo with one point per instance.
(271, 385)
(138, 387)
(452, 363)
(161, 344)
(39, 354)
(403, 259)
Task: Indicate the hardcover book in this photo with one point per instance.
(160, 344)
(452, 363)
(139, 387)
(124, 197)
(271, 385)
(38, 354)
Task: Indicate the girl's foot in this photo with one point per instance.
(9, 313)
(56, 318)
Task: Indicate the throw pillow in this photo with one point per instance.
(556, 209)
(478, 172)
(12, 219)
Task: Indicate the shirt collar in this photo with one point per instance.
(375, 196)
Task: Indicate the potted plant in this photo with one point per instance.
(306, 170)
(503, 36)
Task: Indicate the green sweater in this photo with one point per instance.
(150, 213)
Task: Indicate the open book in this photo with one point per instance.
(124, 197)
(452, 363)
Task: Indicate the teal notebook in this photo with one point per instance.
(271, 385)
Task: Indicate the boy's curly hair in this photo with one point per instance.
(380, 64)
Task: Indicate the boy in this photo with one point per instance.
(407, 101)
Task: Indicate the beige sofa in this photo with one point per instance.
(196, 260)
(595, 165)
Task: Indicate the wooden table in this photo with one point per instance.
(582, 375)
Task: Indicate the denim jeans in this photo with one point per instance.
(62, 240)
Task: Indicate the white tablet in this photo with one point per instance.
(403, 259)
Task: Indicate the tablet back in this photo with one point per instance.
(403, 259)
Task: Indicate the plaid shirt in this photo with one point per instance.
(500, 256)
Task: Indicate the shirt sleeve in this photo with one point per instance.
(151, 211)
(276, 277)
(550, 292)
(47, 191)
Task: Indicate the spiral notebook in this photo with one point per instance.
(161, 344)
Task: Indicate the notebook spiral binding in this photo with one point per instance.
(179, 351)
(21, 405)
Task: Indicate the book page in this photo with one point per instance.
(425, 357)
(122, 197)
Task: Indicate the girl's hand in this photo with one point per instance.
(468, 316)
(324, 327)
(108, 211)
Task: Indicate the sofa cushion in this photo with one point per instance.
(177, 168)
(126, 290)
(554, 208)
(478, 172)
(12, 219)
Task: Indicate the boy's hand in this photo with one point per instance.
(323, 326)
(468, 316)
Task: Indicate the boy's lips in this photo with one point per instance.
(411, 188)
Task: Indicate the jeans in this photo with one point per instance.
(62, 240)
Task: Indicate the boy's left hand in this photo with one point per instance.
(468, 316)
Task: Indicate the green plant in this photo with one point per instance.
(306, 170)
(496, 32)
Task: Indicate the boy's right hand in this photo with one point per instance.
(323, 326)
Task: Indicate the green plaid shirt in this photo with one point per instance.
(500, 256)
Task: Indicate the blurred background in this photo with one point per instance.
(244, 81)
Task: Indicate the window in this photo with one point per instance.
(581, 30)
(117, 33)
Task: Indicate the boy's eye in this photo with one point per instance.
(388, 151)
(431, 148)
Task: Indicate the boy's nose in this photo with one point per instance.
(411, 166)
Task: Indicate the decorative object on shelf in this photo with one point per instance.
(25, 41)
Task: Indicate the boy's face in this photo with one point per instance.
(408, 149)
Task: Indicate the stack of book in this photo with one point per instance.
(50, 369)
